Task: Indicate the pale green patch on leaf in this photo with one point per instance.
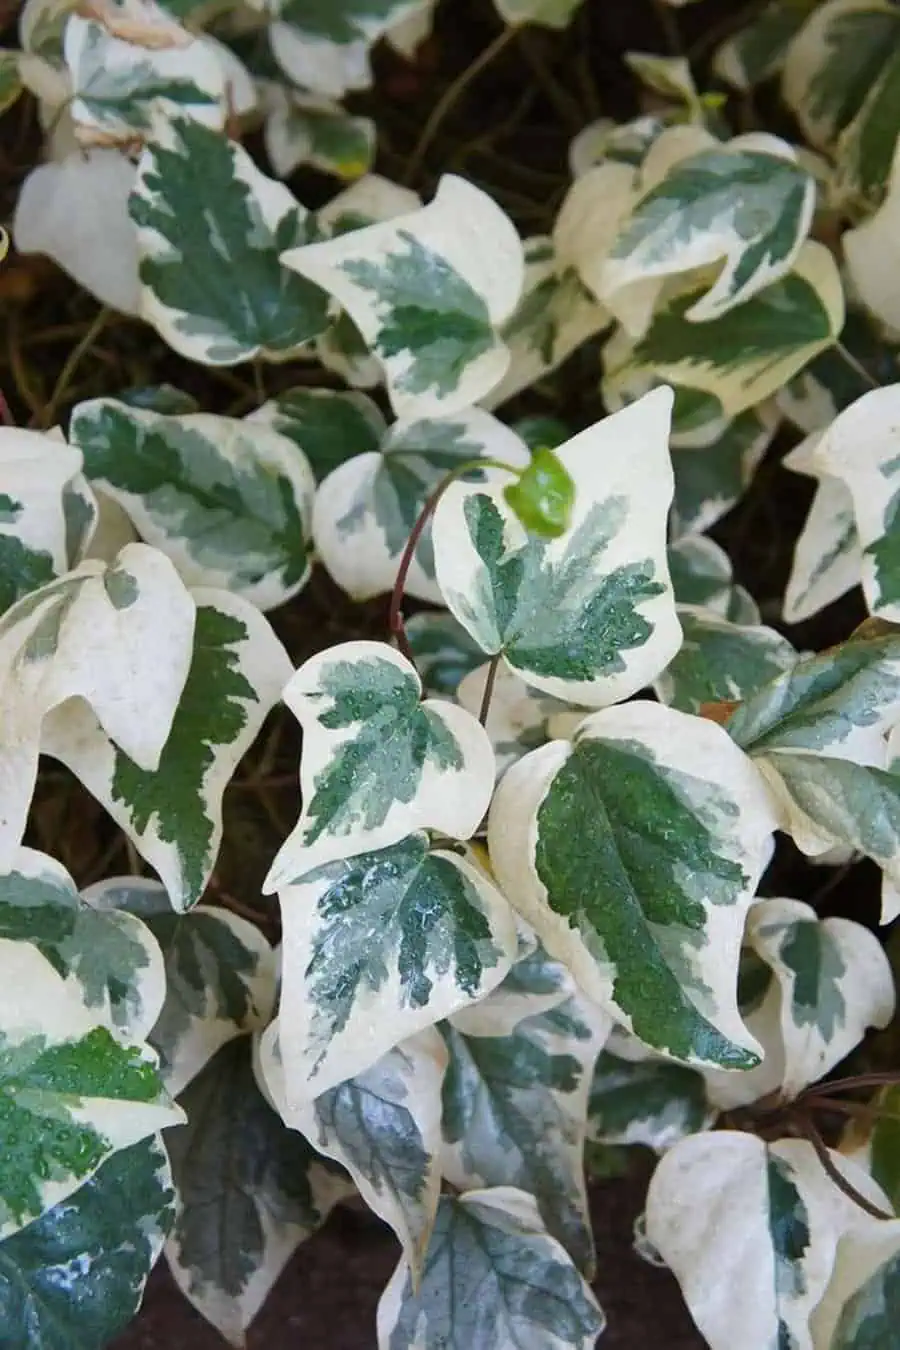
(113, 639)
(428, 291)
(11, 85)
(36, 472)
(248, 1192)
(745, 206)
(649, 1102)
(377, 763)
(515, 1109)
(110, 959)
(745, 355)
(316, 132)
(384, 1126)
(229, 502)
(589, 616)
(638, 872)
(172, 809)
(71, 1094)
(234, 300)
(443, 652)
(77, 1274)
(122, 90)
(492, 1276)
(329, 426)
(220, 977)
(366, 509)
(377, 947)
(729, 1211)
(710, 479)
(720, 661)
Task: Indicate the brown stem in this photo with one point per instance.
(862, 1080)
(489, 688)
(811, 1133)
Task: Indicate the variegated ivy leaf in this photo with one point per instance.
(860, 1306)
(41, 26)
(817, 735)
(384, 1126)
(71, 1094)
(587, 617)
(624, 142)
(81, 509)
(443, 651)
(710, 479)
(428, 291)
(111, 1231)
(65, 208)
(115, 638)
(229, 503)
(111, 959)
(828, 558)
(763, 1220)
(377, 947)
(840, 80)
(830, 382)
(757, 50)
(519, 718)
(870, 251)
(650, 1102)
(326, 48)
(638, 871)
(515, 1110)
(329, 426)
(172, 809)
(220, 975)
(493, 1276)
(701, 575)
(555, 315)
(592, 212)
(36, 471)
(366, 509)
(377, 763)
(121, 90)
(227, 304)
(11, 85)
(319, 133)
(747, 354)
(670, 76)
(861, 448)
(719, 661)
(534, 985)
(248, 1192)
(696, 216)
(547, 13)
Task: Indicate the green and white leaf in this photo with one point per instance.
(220, 975)
(861, 449)
(248, 1192)
(37, 470)
(743, 356)
(534, 985)
(727, 1211)
(651, 1102)
(587, 617)
(115, 638)
(720, 661)
(11, 85)
(171, 809)
(71, 1094)
(492, 1276)
(329, 426)
(871, 254)
(429, 292)
(377, 947)
(229, 502)
(384, 1127)
(604, 139)
(756, 52)
(443, 651)
(711, 479)
(554, 316)
(828, 557)
(515, 1109)
(377, 763)
(595, 208)
(859, 1307)
(110, 959)
(326, 48)
(670, 76)
(830, 383)
(366, 509)
(227, 304)
(638, 873)
(519, 718)
(701, 576)
(747, 206)
(122, 90)
(319, 133)
(110, 1231)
